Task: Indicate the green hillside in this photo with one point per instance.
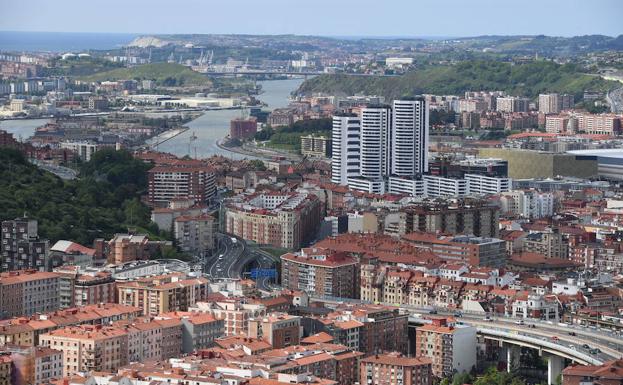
(165, 74)
(528, 79)
(105, 200)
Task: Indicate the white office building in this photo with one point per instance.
(436, 186)
(486, 185)
(374, 186)
(405, 185)
(345, 161)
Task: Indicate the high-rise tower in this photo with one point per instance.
(346, 142)
(409, 138)
(375, 128)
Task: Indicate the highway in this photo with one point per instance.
(232, 256)
(615, 99)
(577, 338)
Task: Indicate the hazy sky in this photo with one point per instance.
(318, 17)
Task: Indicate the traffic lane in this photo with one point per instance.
(605, 338)
(548, 336)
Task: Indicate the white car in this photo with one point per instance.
(520, 322)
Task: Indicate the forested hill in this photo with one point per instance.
(527, 79)
(105, 200)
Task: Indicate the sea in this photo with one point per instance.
(15, 41)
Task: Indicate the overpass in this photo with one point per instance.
(511, 339)
(554, 341)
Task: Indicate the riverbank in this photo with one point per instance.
(251, 150)
(165, 136)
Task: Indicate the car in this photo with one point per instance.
(520, 322)
(554, 338)
(572, 333)
(585, 346)
(532, 326)
(458, 314)
(488, 319)
(595, 351)
(432, 311)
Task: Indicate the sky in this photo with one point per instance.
(318, 17)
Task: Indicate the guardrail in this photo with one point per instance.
(571, 353)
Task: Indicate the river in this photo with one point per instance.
(22, 129)
(214, 125)
(208, 128)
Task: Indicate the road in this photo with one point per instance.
(570, 336)
(615, 99)
(60, 171)
(232, 256)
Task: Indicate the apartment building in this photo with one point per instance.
(200, 330)
(167, 182)
(476, 217)
(145, 340)
(89, 347)
(450, 347)
(550, 103)
(512, 104)
(195, 234)
(26, 331)
(557, 124)
(315, 146)
(395, 369)
(34, 365)
(287, 220)
(26, 292)
(21, 247)
(80, 289)
(234, 313)
(278, 329)
(162, 294)
(529, 204)
(600, 124)
(124, 248)
(346, 148)
(316, 270)
(551, 244)
(475, 251)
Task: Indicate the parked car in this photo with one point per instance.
(520, 322)
(572, 333)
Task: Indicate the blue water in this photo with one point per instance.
(62, 41)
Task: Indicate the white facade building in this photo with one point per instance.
(409, 137)
(375, 128)
(486, 185)
(346, 141)
(435, 186)
(528, 203)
